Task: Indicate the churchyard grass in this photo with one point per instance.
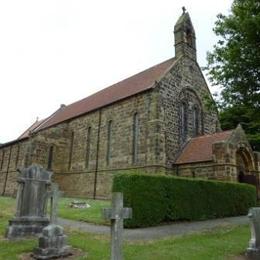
(92, 214)
(221, 243)
(224, 243)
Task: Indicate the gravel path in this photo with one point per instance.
(149, 233)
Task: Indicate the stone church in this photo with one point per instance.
(158, 121)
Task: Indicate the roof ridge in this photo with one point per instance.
(125, 79)
(48, 118)
(208, 135)
(125, 88)
(200, 148)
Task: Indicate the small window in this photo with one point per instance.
(184, 121)
(135, 138)
(195, 121)
(88, 147)
(71, 150)
(189, 37)
(109, 134)
(3, 157)
(17, 155)
(50, 158)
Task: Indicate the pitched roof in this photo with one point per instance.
(138, 83)
(199, 149)
(26, 133)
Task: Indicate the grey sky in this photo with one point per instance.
(60, 51)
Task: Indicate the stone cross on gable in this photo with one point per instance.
(117, 214)
(54, 197)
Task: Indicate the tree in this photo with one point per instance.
(234, 64)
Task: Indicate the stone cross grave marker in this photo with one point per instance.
(53, 241)
(253, 251)
(116, 215)
(55, 194)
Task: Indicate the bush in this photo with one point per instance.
(145, 196)
(155, 199)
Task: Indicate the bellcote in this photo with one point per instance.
(185, 39)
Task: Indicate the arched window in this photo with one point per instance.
(71, 150)
(195, 120)
(184, 121)
(50, 158)
(17, 155)
(109, 134)
(2, 161)
(135, 137)
(188, 37)
(88, 147)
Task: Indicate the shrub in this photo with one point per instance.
(158, 198)
(145, 196)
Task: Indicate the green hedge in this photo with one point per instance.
(159, 198)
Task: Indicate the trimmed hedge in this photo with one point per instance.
(156, 198)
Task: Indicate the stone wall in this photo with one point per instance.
(208, 170)
(12, 157)
(202, 170)
(80, 162)
(80, 174)
(81, 177)
(184, 80)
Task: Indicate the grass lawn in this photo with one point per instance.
(222, 243)
(92, 214)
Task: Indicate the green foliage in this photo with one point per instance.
(92, 214)
(145, 195)
(234, 64)
(230, 117)
(221, 243)
(217, 245)
(155, 199)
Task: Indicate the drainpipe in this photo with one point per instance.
(7, 171)
(97, 155)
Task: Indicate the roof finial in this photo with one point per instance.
(183, 10)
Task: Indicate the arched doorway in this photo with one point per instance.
(245, 167)
(242, 166)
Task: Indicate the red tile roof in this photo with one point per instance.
(138, 83)
(26, 133)
(199, 149)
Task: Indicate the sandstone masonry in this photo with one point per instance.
(149, 128)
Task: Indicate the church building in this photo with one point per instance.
(159, 121)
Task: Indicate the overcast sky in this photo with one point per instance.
(56, 52)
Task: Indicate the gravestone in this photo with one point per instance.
(253, 251)
(116, 215)
(54, 197)
(31, 200)
(52, 242)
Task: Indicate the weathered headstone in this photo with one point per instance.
(52, 242)
(117, 214)
(31, 199)
(253, 251)
(54, 197)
